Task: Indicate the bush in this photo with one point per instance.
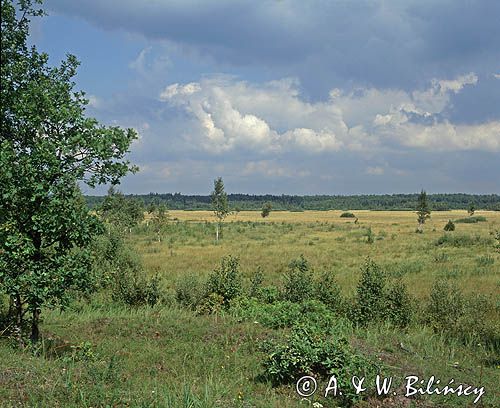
(485, 260)
(347, 215)
(327, 291)
(370, 293)
(133, 289)
(189, 291)
(298, 281)
(471, 220)
(256, 283)
(398, 308)
(462, 240)
(225, 280)
(460, 317)
(450, 226)
(268, 294)
(309, 351)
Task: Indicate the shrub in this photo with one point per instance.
(460, 317)
(309, 351)
(370, 293)
(298, 281)
(471, 220)
(134, 289)
(462, 240)
(369, 236)
(268, 294)
(327, 291)
(211, 303)
(398, 308)
(189, 291)
(225, 280)
(450, 226)
(256, 283)
(347, 215)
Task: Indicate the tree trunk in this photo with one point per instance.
(18, 327)
(217, 233)
(35, 333)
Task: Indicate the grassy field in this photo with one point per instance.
(101, 353)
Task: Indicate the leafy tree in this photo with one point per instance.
(266, 210)
(47, 147)
(121, 212)
(471, 210)
(219, 204)
(423, 211)
(160, 219)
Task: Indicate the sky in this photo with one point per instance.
(291, 96)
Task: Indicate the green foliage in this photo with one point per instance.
(159, 220)
(256, 283)
(283, 314)
(134, 289)
(423, 211)
(398, 305)
(123, 213)
(269, 294)
(471, 220)
(47, 146)
(471, 209)
(327, 291)
(485, 260)
(450, 226)
(298, 281)
(309, 351)
(219, 202)
(370, 293)
(347, 215)
(189, 291)
(370, 236)
(266, 210)
(225, 281)
(461, 317)
(462, 240)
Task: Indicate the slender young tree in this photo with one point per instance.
(423, 211)
(219, 204)
(471, 210)
(48, 147)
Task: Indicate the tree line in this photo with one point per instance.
(238, 202)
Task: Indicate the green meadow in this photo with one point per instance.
(291, 295)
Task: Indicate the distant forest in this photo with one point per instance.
(437, 202)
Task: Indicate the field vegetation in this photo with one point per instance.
(186, 321)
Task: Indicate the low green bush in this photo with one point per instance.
(298, 282)
(327, 291)
(462, 240)
(226, 280)
(189, 291)
(457, 316)
(471, 220)
(450, 226)
(347, 215)
(307, 350)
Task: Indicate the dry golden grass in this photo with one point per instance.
(328, 242)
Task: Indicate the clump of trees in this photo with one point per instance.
(48, 146)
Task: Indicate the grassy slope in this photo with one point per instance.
(168, 357)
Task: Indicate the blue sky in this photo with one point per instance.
(293, 97)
